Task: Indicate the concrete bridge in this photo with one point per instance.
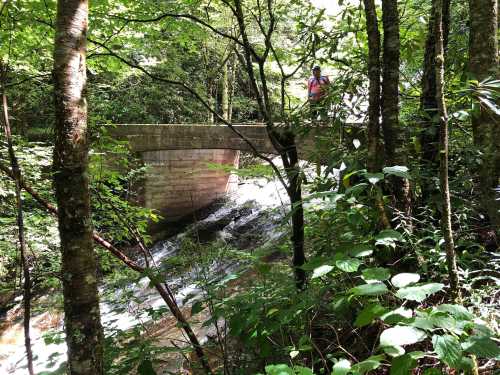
(179, 180)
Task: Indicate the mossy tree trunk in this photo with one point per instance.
(395, 152)
(374, 70)
(429, 127)
(81, 302)
(483, 63)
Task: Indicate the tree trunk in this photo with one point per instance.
(225, 93)
(393, 132)
(232, 84)
(483, 63)
(429, 132)
(282, 140)
(373, 32)
(84, 334)
(451, 259)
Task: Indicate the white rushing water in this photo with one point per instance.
(257, 205)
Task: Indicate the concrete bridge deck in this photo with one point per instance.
(152, 137)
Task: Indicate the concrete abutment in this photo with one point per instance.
(179, 182)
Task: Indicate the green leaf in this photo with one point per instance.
(369, 313)
(321, 271)
(398, 315)
(146, 368)
(373, 289)
(459, 312)
(369, 364)
(401, 335)
(280, 369)
(448, 349)
(404, 364)
(377, 273)
(300, 370)
(420, 292)
(361, 250)
(482, 346)
(394, 350)
(348, 264)
(196, 308)
(388, 237)
(397, 170)
(342, 367)
(404, 279)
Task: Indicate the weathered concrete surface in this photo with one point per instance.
(154, 137)
(179, 182)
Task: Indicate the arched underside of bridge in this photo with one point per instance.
(179, 179)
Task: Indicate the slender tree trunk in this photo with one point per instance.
(374, 71)
(282, 140)
(429, 135)
(297, 209)
(84, 334)
(443, 150)
(225, 92)
(232, 84)
(393, 132)
(21, 236)
(483, 63)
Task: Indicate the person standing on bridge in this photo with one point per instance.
(317, 87)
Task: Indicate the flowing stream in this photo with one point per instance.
(249, 218)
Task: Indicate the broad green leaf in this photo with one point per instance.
(280, 369)
(404, 364)
(348, 264)
(377, 273)
(300, 370)
(404, 279)
(458, 311)
(419, 292)
(369, 364)
(342, 367)
(448, 349)
(482, 346)
(401, 335)
(369, 313)
(397, 170)
(394, 350)
(374, 289)
(361, 250)
(398, 315)
(388, 237)
(321, 271)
